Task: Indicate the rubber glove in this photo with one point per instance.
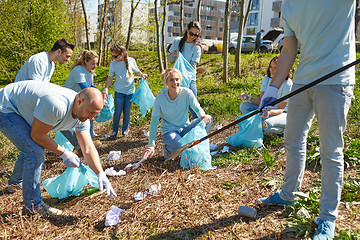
(103, 180)
(149, 152)
(70, 159)
(269, 96)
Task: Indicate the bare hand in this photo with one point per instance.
(245, 97)
(176, 53)
(206, 118)
(149, 152)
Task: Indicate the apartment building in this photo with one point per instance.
(211, 14)
(118, 18)
(92, 19)
(264, 14)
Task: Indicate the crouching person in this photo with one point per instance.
(173, 105)
(31, 109)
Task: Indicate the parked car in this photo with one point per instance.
(248, 43)
(280, 45)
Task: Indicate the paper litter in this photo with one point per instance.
(146, 133)
(225, 149)
(212, 146)
(114, 155)
(112, 172)
(140, 196)
(218, 126)
(113, 216)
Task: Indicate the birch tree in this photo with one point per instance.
(102, 24)
(198, 10)
(163, 34)
(226, 41)
(182, 16)
(86, 26)
(158, 47)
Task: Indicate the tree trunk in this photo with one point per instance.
(226, 40)
(158, 48)
(132, 12)
(88, 47)
(198, 10)
(239, 39)
(182, 16)
(163, 35)
(102, 32)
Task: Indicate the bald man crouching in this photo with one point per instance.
(31, 109)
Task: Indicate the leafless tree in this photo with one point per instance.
(182, 16)
(226, 41)
(132, 11)
(158, 47)
(242, 23)
(102, 24)
(163, 34)
(86, 26)
(198, 10)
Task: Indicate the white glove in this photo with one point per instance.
(269, 96)
(103, 180)
(70, 159)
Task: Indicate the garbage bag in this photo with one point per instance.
(63, 141)
(143, 97)
(108, 111)
(250, 133)
(187, 70)
(198, 155)
(72, 181)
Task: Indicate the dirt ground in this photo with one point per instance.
(192, 204)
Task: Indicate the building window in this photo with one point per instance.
(221, 29)
(207, 37)
(250, 31)
(202, 17)
(211, 18)
(189, 15)
(209, 28)
(222, 19)
(176, 13)
(176, 34)
(253, 19)
(222, 10)
(219, 38)
(255, 5)
(176, 24)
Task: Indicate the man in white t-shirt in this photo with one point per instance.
(41, 66)
(29, 110)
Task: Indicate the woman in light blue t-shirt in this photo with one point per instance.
(190, 48)
(173, 105)
(274, 121)
(81, 76)
(122, 68)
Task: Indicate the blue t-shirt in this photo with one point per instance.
(124, 83)
(49, 103)
(284, 89)
(327, 39)
(190, 51)
(79, 74)
(174, 113)
(37, 67)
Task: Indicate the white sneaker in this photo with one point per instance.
(47, 211)
(126, 132)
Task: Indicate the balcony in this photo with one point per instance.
(276, 6)
(275, 22)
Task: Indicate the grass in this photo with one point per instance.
(238, 171)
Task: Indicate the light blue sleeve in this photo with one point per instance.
(287, 30)
(153, 129)
(112, 69)
(265, 82)
(174, 46)
(134, 67)
(195, 58)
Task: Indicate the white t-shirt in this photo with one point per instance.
(79, 74)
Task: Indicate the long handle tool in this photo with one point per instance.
(178, 151)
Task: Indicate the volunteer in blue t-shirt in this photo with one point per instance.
(189, 46)
(41, 66)
(172, 105)
(29, 110)
(325, 30)
(274, 121)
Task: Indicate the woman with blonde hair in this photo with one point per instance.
(122, 68)
(173, 105)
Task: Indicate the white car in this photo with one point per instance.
(248, 43)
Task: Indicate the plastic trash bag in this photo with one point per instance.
(187, 70)
(63, 141)
(250, 133)
(108, 111)
(198, 155)
(72, 181)
(143, 97)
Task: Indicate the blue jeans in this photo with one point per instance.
(193, 88)
(28, 166)
(122, 105)
(330, 105)
(272, 124)
(171, 138)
